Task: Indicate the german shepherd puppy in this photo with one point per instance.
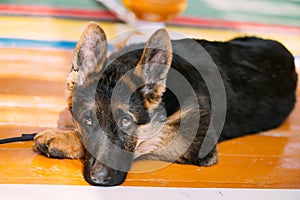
(258, 77)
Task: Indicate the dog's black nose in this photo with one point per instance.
(101, 177)
(100, 174)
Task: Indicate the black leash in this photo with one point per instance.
(24, 137)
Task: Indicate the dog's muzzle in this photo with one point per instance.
(99, 174)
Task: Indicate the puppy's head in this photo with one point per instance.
(111, 100)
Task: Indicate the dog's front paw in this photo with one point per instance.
(59, 144)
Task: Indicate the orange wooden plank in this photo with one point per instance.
(31, 87)
(44, 65)
(29, 117)
(25, 166)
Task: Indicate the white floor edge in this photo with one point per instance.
(52, 192)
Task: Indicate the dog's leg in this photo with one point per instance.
(210, 159)
(59, 144)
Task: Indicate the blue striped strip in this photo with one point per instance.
(27, 43)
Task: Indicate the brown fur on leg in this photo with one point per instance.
(210, 159)
(59, 144)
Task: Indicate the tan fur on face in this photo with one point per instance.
(71, 78)
(153, 101)
(166, 140)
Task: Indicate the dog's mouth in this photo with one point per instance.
(96, 173)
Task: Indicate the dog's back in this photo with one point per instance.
(260, 81)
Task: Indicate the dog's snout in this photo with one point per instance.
(101, 176)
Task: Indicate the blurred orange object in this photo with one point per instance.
(155, 10)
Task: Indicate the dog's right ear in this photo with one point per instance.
(88, 58)
(90, 52)
(153, 68)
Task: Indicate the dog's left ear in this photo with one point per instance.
(153, 68)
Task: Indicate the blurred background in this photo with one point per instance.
(37, 38)
(63, 20)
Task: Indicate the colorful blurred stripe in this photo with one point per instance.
(74, 13)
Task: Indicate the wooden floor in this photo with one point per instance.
(32, 83)
(32, 99)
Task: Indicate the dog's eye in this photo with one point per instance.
(88, 122)
(126, 121)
